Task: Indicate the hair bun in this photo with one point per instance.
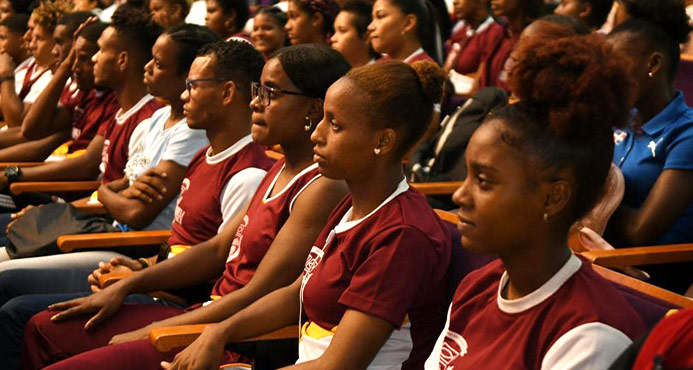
(432, 78)
(579, 82)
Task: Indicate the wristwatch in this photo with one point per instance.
(13, 173)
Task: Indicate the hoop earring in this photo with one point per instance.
(308, 125)
(546, 218)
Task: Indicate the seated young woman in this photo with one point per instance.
(351, 37)
(404, 30)
(227, 18)
(311, 21)
(268, 34)
(534, 168)
(169, 13)
(372, 289)
(655, 151)
(262, 249)
(474, 26)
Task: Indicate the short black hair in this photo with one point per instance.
(189, 39)
(312, 68)
(137, 28)
(16, 23)
(74, 19)
(663, 30)
(236, 60)
(275, 13)
(578, 26)
(93, 31)
(240, 7)
(362, 11)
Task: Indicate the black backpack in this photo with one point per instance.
(447, 164)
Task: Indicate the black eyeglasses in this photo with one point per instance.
(264, 93)
(189, 84)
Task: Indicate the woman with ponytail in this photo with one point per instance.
(373, 285)
(405, 30)
(655, 151)
(534, 168)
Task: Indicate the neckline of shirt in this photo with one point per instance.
(121, 117)
(267, 199)
(413, 55)
(346, 223)
(551, 286)
(228, 152)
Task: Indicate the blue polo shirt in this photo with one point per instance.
(666, 142)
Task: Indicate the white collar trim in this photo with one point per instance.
(266, 198)
(540, 295)
(228, 152)
(121, 117)
(346, 223)
(413, 55)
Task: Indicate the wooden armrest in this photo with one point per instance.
(68, 243)
(106, 280)
(447, 216)
(436, 188)
(4, 165)
(84, 204)
(274, 155)
(54, 186)
(638, 256)
(167, 338)
(643, 287)
(687, 57)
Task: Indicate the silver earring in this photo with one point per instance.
(376, 151)
(308, 125)
(546, 218)
(650, 74)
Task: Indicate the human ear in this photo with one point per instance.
(386, 141)
(586, 10)
(229, 92)
(123, 59)
(315, 112)
(655, 63)
(317, 19)
(410, 24)
(557, 197)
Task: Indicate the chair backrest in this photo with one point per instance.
(649, 301)
(462, 261)
(684, 78)
(597, 218)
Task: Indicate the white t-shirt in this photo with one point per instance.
(197, 13)
(39, 84)
(151, 143)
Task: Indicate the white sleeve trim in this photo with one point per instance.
(238, 192)
(589, 346)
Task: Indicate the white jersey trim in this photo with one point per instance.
(593, 345)
(413, 55)
(121, 117)
(544, 292)
(228, 152)
(267, 199)
(346, 223)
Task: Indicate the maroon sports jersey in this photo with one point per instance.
(198, 209)
(390, 264)
(89, 111)
(263, 220)
(484, 334)
(475, 48)
(414, 57)
(496, 47)
(117, 137)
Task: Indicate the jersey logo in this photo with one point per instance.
(619, 136)
(454, 346)
(314, 258)
(179, 213)
(653, 146)
(236, 245)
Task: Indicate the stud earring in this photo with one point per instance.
(546, 218)
(650, 74)
(308, 125)
(376, 151)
